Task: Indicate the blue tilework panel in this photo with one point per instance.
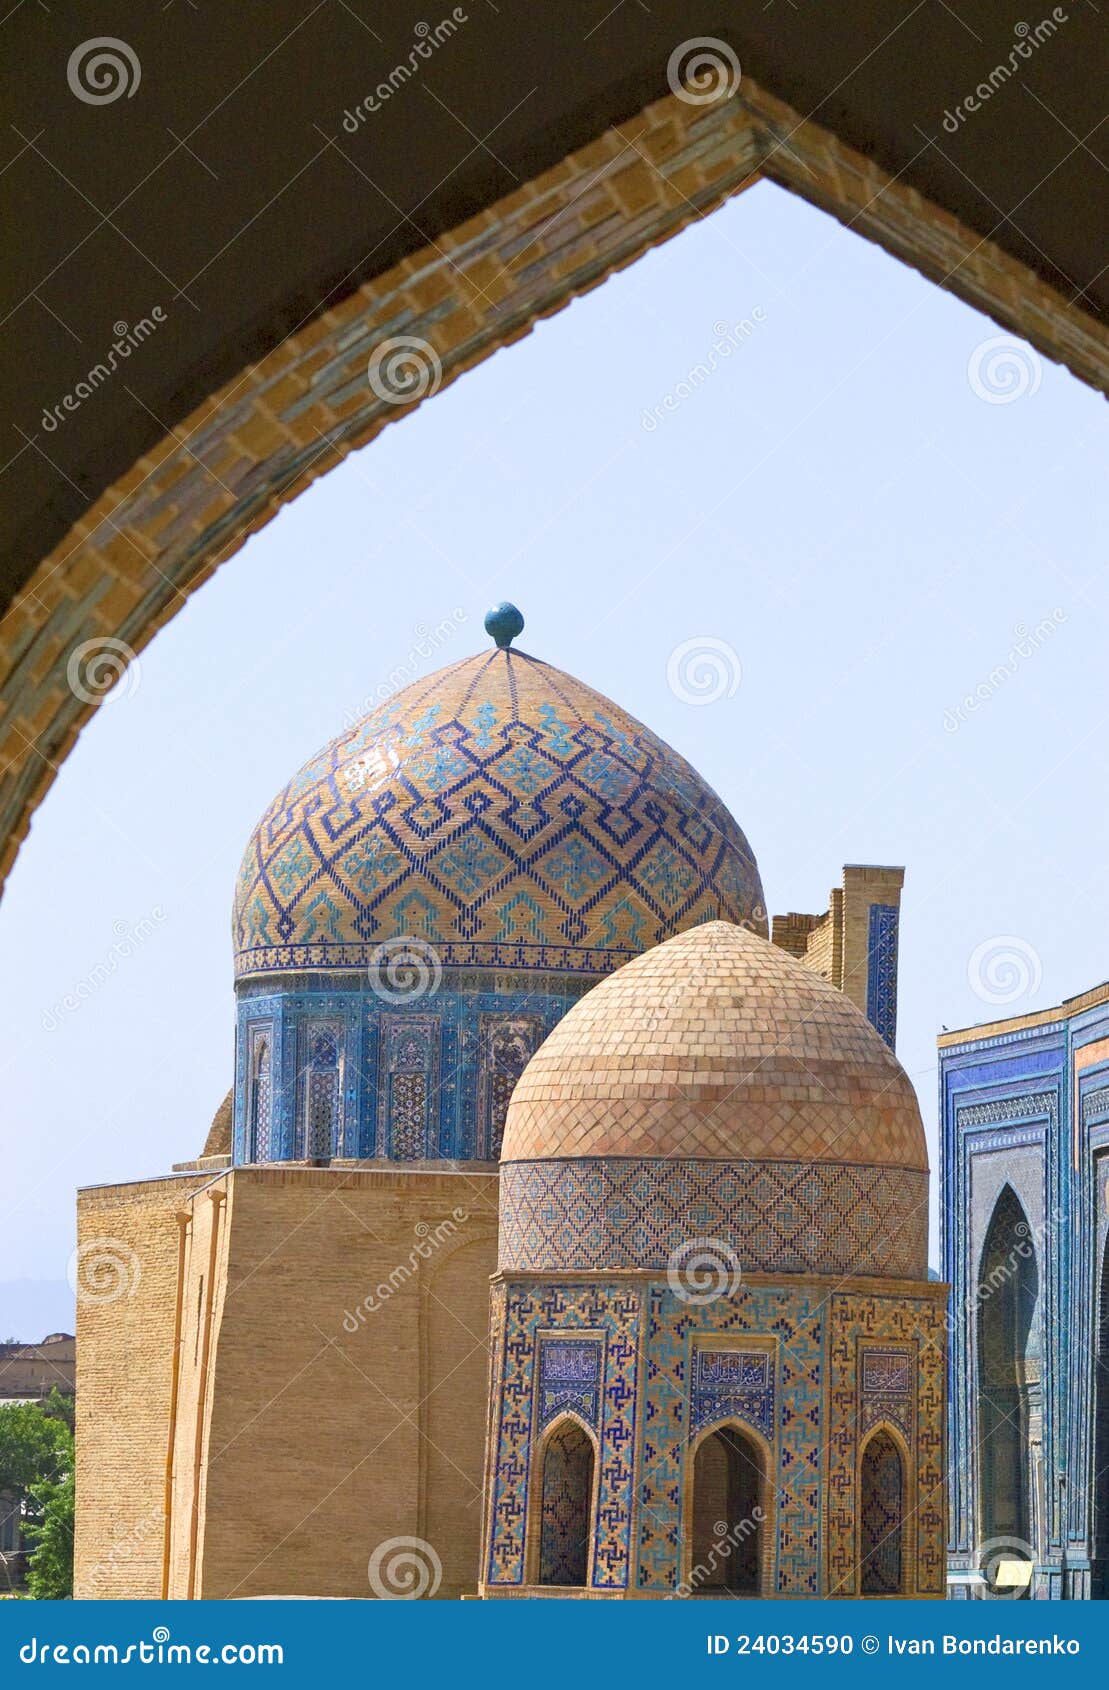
(780, 1217)
(503, 813)
(425, 1079)
(863, 1330)
(570, 1379)
(793, 1319)
(526, 1314)
(732, 1384)
(881, 971)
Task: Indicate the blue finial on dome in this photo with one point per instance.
(503, 623)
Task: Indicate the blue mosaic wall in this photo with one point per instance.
(803, 1369)
(1029, 1110)
(325, 1067)
(881, 971)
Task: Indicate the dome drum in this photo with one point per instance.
(620, 1214)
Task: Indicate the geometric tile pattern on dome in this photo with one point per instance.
(716, 1044)
(606, 1214)
(502, 811)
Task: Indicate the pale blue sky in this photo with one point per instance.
(836, 502)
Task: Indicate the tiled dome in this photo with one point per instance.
(503, 812)
(717, 1045)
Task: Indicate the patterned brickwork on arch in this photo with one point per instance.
(187, 505)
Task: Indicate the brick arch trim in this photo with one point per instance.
(186, 506)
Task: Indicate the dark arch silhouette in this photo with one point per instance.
(726, 1515)
(1008, 1377)
(566, 1507)
(881, 1516)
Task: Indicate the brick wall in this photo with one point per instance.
(330, 1424)
(125, 1320)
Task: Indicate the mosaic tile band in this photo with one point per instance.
(780, 1217)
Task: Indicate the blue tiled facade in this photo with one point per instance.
(427, 1078)
(1025, 1123)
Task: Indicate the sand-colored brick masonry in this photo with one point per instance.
(344, 1400)
(124, 1372)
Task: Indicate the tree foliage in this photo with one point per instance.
(36, 1472)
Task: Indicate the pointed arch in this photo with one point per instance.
(261, 1100)
(322, 1093)
(727, 1512)
(883, 1510)
(1008, 1377)
(564, 1505)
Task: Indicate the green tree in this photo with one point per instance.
(36, 1472)
(50, 1568)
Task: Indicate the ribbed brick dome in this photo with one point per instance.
(716, 1044)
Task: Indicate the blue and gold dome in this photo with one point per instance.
(503, 812)
(426, 899)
